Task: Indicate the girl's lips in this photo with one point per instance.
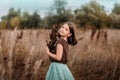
(60, 32)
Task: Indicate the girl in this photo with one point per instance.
(58, 69)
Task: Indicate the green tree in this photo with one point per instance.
(25, 19)
(36, 20)
(116, 9)
(58, 14)
(115, 16)
(59, 6)
(15, 22)
(58, 19)
(91, 14)
(11, 14)
(3, 24)
(30, 21)
(115, 20)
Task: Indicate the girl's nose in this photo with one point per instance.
(62, 29)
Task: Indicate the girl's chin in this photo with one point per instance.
(60, 33)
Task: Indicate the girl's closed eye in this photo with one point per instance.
(66, 29)
(62, 27)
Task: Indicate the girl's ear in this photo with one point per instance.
(69, 34)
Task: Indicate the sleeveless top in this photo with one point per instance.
(65, 51)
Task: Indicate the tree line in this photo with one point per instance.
(90, 15)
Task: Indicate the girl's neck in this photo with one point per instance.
(64, 38)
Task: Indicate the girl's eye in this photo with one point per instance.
(66, 29)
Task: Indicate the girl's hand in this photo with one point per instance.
(47, 50)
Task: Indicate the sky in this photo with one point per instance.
(43, 6)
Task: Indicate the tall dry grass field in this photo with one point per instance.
(23, 55)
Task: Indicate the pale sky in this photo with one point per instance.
(42, 6)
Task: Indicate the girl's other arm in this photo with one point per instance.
(58, 54)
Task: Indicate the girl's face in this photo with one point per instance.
(64, 31)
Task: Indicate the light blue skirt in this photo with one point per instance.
(59, 71)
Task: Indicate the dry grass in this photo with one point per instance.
(23, 57)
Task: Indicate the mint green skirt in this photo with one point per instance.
(59, 71)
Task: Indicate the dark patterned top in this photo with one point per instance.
(65, 51)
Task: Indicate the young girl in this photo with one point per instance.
(58, 69)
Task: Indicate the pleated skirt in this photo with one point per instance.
(59, 71)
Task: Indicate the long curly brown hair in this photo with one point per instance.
(54, 36)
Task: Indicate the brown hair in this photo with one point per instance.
(71, 39)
